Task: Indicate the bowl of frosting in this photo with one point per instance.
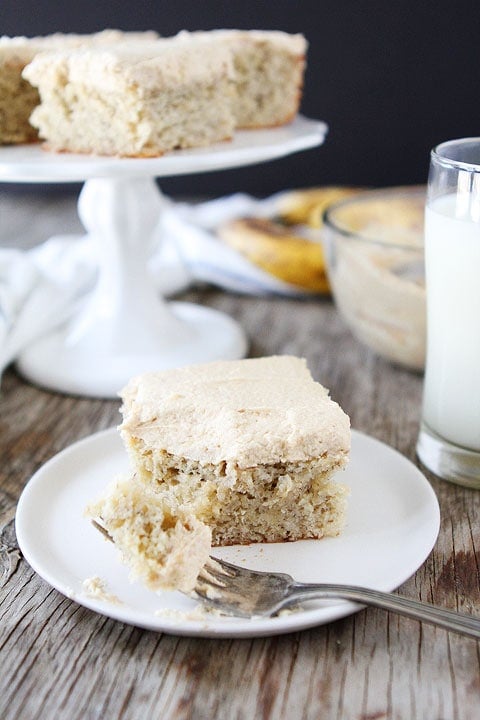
(375, 261)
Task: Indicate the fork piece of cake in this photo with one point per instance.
(133, 99)
(18, 97)
(163, 551)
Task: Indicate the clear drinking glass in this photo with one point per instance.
(449, 439)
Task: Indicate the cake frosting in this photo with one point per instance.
(150, 65)
(248, 412)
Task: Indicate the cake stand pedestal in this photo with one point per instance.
(123, 327)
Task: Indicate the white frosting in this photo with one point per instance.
(296, 44)
(148, 65)
(247, 412)
(25, 48)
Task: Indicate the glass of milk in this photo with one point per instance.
(449, 439)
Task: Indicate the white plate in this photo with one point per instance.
(31, 163)
(392, 525)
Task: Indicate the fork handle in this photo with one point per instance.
(424, 612)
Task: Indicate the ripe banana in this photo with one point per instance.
(306, 207)
(278, 248)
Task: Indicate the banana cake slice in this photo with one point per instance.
(244, 448)
(133, 99)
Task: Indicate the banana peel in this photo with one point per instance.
(276, 250)
(277, 247)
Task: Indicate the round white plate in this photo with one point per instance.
(30, 163)
(392, 524)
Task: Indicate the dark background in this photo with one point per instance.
(390, 78)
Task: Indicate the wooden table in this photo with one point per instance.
(60, 660)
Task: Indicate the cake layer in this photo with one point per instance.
(266, 503)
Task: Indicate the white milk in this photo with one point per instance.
(452, 378)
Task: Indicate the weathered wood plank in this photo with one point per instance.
(59, 660)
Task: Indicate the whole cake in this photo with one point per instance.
(244, 448)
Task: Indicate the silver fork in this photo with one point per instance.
(247, 593)
(238, 591)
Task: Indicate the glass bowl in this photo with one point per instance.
(375, 263)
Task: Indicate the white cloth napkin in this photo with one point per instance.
(40, 288)
(192, 229)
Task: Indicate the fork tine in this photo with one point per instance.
(205, 576)
(215, 567)
(98, 526)
(217, 574)
(225, 567)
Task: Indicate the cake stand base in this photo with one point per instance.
(53, 364)
(123, 327)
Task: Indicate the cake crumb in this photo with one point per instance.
(96, 588)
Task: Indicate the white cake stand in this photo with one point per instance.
(124, 327)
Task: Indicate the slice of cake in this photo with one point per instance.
(133, 99)
(244, 448)
(18, 97)
(247, 446)
(269, 70)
